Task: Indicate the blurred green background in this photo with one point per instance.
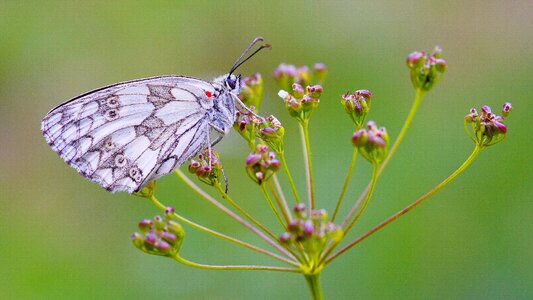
(64, 237)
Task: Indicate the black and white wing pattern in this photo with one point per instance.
(125, 135)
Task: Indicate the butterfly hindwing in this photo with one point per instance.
(127, 134)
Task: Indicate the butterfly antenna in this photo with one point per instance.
(240, 60)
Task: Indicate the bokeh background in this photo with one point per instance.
(64, 237)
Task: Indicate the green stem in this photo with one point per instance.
(313, 282)
(400, 213)
(280, 199)
(232, 215)
(416, 103)
(184, 220)
(345, 185)
(281, 157)
(242, 211)
(239, 267)
(332, 245)
(367, 199)
(304, 129)
(273, 207)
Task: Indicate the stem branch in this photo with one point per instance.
(304, 129)
(400, 213)
(238, 267)
(231, 214)
(221, 235)
(345, 185)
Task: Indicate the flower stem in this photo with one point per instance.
(242, 211)
(239, 267)
(365, 203)
(345, 185)
(416, 103)
(280, 199)
(304, 129)
(281, 157)
(231, 214)
(272, 207)
(184, 220)
(313, 282)
(400, 213)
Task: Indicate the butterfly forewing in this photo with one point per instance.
(127, 134)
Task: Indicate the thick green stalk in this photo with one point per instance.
(313, 282)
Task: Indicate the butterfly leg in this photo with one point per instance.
(244, 107)
(220, 134)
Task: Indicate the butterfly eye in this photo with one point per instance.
(231, 81)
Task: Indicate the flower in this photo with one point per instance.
(487, 128)
(159, 236)
(426, 70)
(262, 164)
(372, 142)
(357, 105)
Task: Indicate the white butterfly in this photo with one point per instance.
(125, 135)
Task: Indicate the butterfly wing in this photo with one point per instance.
(125, 135)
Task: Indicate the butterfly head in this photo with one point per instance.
(229, 83)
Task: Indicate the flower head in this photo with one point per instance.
(301, 102)
(245, 124)
(271, 132)
(252, 91)
(312, 232)
(426, 70)
(159, 236)
(487, 128)
(261, 164)
(372, 142)
(207, 167)
(357, 105)
(286, 75)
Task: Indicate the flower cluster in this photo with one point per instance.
(207, 168)
(299, 102)
(286, 75)
(312, 232)
(271, 132)
(372, 142)
(159, 236)
(261, 164)
(426, 70)
(252, 91)
(310, 239)
(357, 105)
(487, 127)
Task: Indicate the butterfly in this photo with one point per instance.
(127, 134)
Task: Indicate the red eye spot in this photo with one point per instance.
(208, 94)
